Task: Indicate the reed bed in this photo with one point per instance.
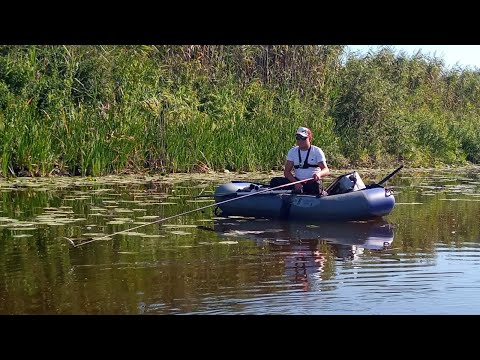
(98, 110)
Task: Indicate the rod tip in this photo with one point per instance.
(70, 241)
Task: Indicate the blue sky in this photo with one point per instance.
(463, 55)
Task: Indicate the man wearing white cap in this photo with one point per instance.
(307, 162)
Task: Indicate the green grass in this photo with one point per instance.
(98, 110)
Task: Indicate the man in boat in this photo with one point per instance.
(306, 161)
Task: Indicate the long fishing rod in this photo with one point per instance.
(188, 212)
(386, 178)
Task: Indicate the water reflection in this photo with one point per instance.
(374, 235)
(309, 250)
(239, 265)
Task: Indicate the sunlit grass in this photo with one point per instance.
(99, 110)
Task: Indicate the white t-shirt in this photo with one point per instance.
(316, 155)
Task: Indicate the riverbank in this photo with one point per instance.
(100, 110)
(367, 174)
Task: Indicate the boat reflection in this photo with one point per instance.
(310, 250)
(372, 235)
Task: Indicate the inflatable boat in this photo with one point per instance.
(347, 198)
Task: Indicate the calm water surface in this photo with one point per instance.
(424, 258)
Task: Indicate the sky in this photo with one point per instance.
(462, 55)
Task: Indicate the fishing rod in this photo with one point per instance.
(389, 175)
(188, 212)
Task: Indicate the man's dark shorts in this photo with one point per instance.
(311, 187)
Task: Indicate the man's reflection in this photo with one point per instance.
(310, 251)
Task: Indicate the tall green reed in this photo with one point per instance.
(95, 110)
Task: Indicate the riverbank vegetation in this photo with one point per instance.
(98, 110)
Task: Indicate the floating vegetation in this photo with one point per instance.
(21, 228)
(94, 208)
(93, 235)
(101, 190)
(454, 199)
(132, 233)
(63, 211)
(79, 241)
(242, 217)
(152, 236)
(6, 219)
(179, 226)
(280, 230)
(78, 198)
(157, 197)
(243, 232)
(137, 202)
(122, 210)
(122, 219)
(179, 232)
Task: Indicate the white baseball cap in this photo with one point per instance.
(305, 132)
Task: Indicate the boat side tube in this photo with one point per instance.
(381, 201)
(267, 204)
(368, 203)
(355, 205)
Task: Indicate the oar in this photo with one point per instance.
(190, 211)
(386, 178)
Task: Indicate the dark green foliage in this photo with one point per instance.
(13, 75)
(95, 110)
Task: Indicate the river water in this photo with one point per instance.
(423, 258)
